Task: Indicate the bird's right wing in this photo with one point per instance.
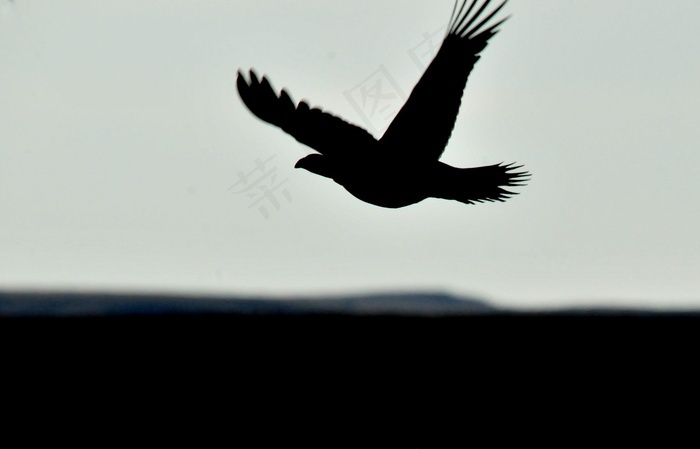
(320, 130)
(423, 126)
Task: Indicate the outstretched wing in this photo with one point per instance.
(424, 124)
(320, 130)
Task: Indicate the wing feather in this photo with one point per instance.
(313, 127)
(424, 124)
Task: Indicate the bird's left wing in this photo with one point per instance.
(320, 130)
(423, 126)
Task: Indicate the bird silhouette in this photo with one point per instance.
(402, 167)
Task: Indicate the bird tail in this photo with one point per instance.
(479, 184)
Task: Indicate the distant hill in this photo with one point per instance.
(104, 304)
(425, 304)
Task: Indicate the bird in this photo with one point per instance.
(402, 167)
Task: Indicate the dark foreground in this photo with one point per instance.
(183, 371)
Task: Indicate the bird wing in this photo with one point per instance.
(320, 130)
(424, 124)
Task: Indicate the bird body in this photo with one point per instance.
(385, 184)
(403, 167)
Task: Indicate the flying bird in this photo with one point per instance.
(402, 167)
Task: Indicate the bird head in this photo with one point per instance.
(318, 164)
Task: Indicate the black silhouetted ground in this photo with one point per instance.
(224, 367)
(402, 167)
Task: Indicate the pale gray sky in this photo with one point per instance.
(122, 140)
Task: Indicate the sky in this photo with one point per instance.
(128, 162)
